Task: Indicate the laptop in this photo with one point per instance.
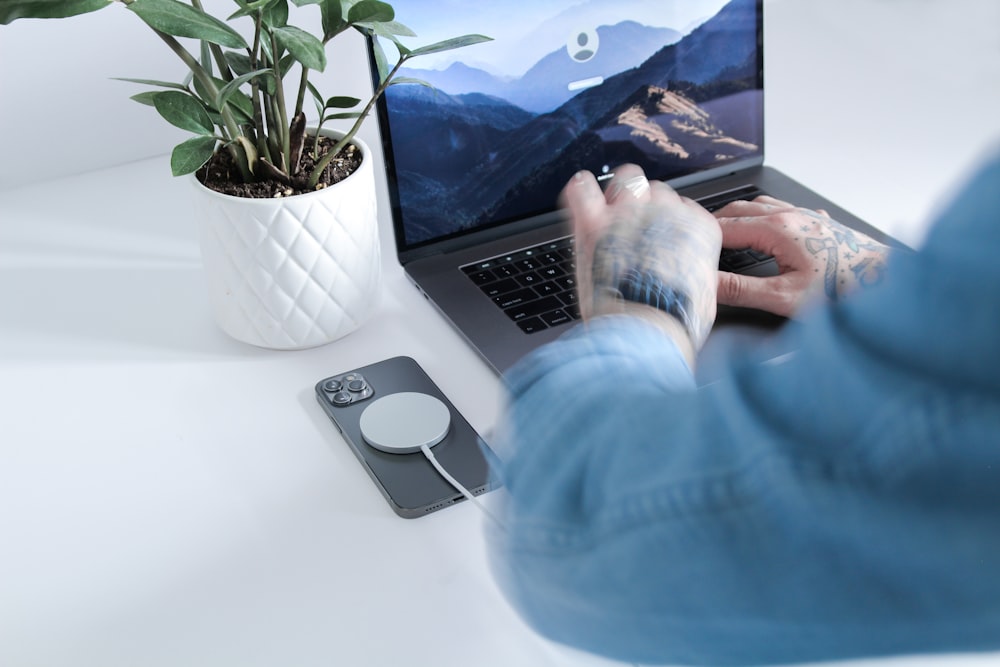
(475, 162)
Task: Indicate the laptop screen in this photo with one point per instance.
(675, 86)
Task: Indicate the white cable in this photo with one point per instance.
(458, 485)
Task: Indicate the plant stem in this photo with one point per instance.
(255, 94)
(220, 58)
(332, 153)
(279, 96)
(231, 128)
(300, 99)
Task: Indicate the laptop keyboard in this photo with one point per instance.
(536, 287)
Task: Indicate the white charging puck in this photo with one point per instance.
(403, 423)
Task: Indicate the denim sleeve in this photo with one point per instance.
(843, 502)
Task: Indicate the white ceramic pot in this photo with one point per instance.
(295, 272)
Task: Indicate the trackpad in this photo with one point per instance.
(738, 334)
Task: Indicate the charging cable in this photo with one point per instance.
(458, 486)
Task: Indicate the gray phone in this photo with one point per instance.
(409, 482)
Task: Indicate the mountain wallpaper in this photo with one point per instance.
(468, 159)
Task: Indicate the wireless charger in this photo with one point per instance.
(404, 423)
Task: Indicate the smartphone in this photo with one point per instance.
(409, 482)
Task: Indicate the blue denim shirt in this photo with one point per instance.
(843, 502)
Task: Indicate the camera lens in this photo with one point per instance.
(341, 398)
(332, 385)
(356, 385)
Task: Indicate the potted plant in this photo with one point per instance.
(287, 218)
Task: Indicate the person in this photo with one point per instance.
(839, 502)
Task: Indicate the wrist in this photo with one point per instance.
(611, 305)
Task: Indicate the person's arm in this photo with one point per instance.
(842, 503)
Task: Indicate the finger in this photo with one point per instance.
(757, 232)
(628, 185)
(773, 201)
(753, 292)
(584, 200)
(743, 208)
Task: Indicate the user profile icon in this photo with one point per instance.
(582, 45)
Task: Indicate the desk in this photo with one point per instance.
(171, 497)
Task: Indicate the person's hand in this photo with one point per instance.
(815, 254)
(644, 230)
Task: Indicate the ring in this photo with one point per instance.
(637, 185)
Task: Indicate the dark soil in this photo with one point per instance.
(222, 175)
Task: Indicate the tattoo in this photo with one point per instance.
(869, 272)
(816, 246)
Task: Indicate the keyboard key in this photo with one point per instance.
(478, 267)
(500, 287)
(482, 277)
(529, 279)
(517, 298)
(566, 282)
(734, 260)
(532, 325)
(552, 271)
(556, 317)
(569, 298)
(545, 289)
(505, 271)
(528, 309)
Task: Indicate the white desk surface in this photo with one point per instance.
(171, 497)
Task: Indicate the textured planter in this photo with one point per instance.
(294, 272)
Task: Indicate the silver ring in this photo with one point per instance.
(637, 185)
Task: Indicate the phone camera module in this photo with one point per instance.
(344, 390)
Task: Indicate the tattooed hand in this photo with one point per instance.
(643, 232)
(814, 254)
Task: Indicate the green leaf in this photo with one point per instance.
(183, 111)
(368, 11)
(180, 20)
(47, 9)
(232, 87)
(307, 49)
(145, 98)
(449, 44)
(381, 62)
(237, 100)
(277, 14)
(238, 62)
(151, 82)
(341, 102)
(332, 13)
(250, 8)
(389, 28)
(189, 156)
